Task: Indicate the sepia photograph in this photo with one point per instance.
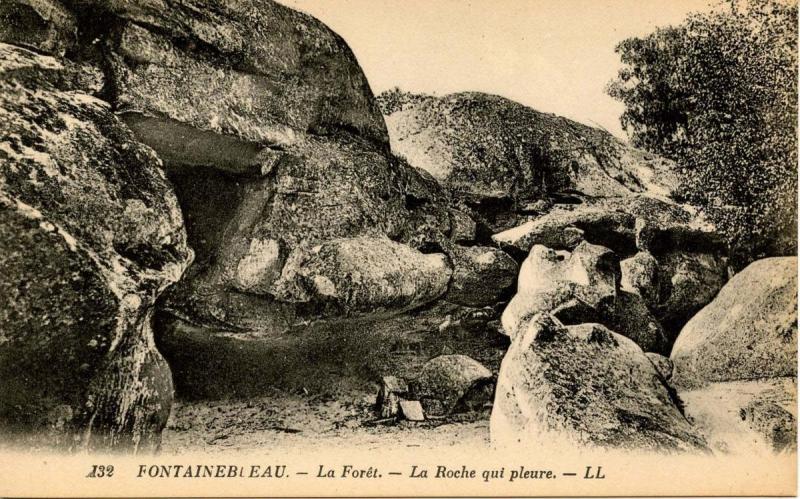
(398, 248)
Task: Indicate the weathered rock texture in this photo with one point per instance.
(671, 256)
(578, 287)
(43, 25)
(585, 386)
(279, 156)
(362, 275)
(275, 146)
(90, 235)
(266, 125)
(500, 155)
(480, 276)
(748, 332)
(252, 70)
(271, 135)
(449, 381)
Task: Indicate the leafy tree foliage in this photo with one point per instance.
(718, 94)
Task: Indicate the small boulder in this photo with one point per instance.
(480, 276)
(389, 396)
(412, 410)
(448, 380)
(477, 320)
(748, 331)
(561, 388)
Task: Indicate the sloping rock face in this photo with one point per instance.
(735, 362)
(585, 386)
(748, 332)
(500, 155)
(253, 70)
(90, 235)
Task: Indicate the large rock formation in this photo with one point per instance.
(748, 332)
(271, 135)
(584, 386)
(275, 146)
(245, 229)
(672, 257)
(90, 235)
(500, 155)
(266, 125)
(311, 236)
(735, 362)
(251, 73)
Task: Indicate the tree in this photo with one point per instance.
(718, 94)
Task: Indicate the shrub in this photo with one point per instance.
(718, 94)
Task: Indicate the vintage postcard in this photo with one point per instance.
(398, 248)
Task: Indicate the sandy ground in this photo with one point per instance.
(291, 421)
(319, 391)
(717, 412)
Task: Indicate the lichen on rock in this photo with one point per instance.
(585, 386)
(92, 236)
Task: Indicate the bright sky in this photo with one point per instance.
(553, 55)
